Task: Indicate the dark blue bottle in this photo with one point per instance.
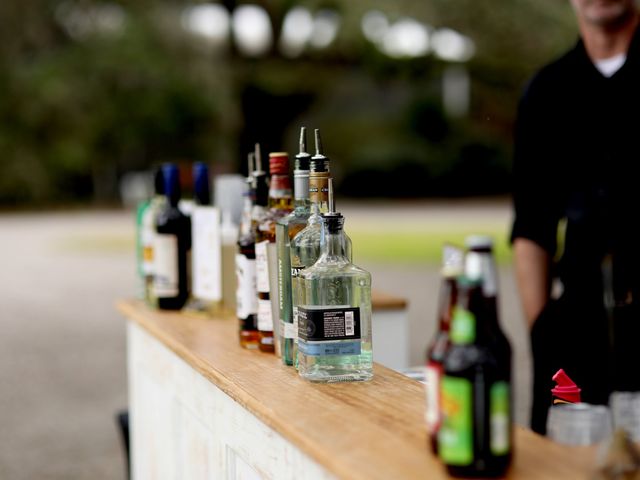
(171, 246)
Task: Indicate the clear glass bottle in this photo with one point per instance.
(334, 317)
(280, 205)
(305, 246)
(147, 232)
(286, 229)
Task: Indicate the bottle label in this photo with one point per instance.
(165, 265)
(265, 320)
(329, 331)
(207, 251)
(147, 236)
(463, 326)
(246, 295)
(432, 386)
(287, 330)
(295, 271)
(295, 324)
(319, 187)
(262, 267)
(455, 439)
(499, 420)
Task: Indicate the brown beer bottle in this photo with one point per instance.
(452, 267)
(476, 435)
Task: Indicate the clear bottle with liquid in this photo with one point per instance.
(334, 316)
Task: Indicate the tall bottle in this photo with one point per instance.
(452, 267)
(280, 205)
(246, 294)
(206, 268)
(305, 246)
(476, 437)
(334, 318)
(171, 245)
(286, 229)
(147, 212)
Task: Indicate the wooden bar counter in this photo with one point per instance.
(202, 407)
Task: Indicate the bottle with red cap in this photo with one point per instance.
(452, 268)
(280, 205)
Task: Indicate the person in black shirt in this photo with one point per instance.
(576, 193)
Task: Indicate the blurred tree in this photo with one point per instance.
(91, 89)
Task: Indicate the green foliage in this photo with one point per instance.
(78, 109)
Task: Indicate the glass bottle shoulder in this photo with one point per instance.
(334, 268)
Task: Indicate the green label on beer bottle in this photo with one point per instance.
(463, 328)
(499, 411)
(455, 439)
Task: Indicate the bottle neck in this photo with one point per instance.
(280, 192)
(333, 245)
(301, 189)
(480, 266)
(448, 298)
(319, 190)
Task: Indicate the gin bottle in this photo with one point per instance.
(286, 229)
(334, 316)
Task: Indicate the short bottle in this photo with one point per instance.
(171, 246)
(286, 229)
(475, 438)
(452, 268)
(334, 317)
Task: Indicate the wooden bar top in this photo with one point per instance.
(372, 430)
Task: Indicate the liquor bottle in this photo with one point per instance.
(146, 220)
(171, 245)
(334, 318)
(286, 229)
(476, 438)
(305, 246)
(280, 205)
(206, 261)
(453, 264)
(246, 294)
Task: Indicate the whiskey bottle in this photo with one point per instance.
(452, 268)
(171, 245)
(334, 316)
(246, 294)
(286, 229)
(280, 205)
(305, 246)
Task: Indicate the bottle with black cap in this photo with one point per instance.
(334, 316)
(246, 293)
(171, 245)
(305, 246)
(287, 228)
